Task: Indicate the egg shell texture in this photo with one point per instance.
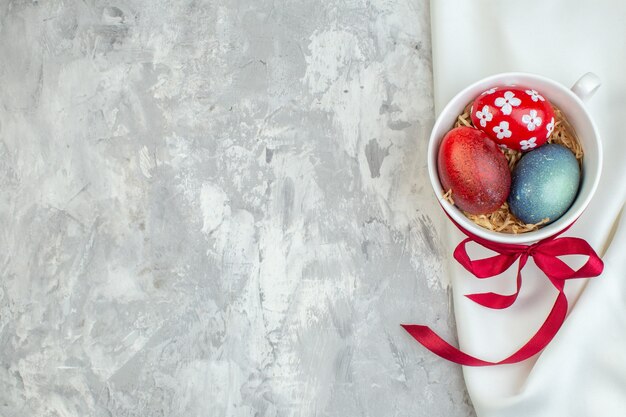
(544, 184)
(472, 166)
(516, 117)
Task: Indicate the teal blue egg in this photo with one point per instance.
(544, 184)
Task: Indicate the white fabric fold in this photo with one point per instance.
(583, 371)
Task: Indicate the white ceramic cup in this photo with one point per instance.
(571, 104)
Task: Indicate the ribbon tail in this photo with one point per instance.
(493, 300)
(499, 301)
(545, 334)
(433, 342)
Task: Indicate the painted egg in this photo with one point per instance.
(477, 172)
(516, 117)
(544, 184)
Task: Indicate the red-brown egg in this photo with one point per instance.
(516, 117)
(477, 172)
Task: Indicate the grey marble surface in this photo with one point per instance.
(219, 208)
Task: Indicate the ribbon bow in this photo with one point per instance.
(545, 253)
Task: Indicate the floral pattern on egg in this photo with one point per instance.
(514, 117)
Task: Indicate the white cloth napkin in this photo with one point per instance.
(583, 371)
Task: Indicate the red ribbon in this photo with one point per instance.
(545, 253)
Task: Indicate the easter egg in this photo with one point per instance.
(544, 184)
(515, 117)
(477, 172)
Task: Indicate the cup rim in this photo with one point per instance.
(523, 238)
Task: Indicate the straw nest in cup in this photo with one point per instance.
(502, 220)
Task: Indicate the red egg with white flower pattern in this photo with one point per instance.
(515, 117)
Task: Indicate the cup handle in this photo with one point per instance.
(586, 86)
